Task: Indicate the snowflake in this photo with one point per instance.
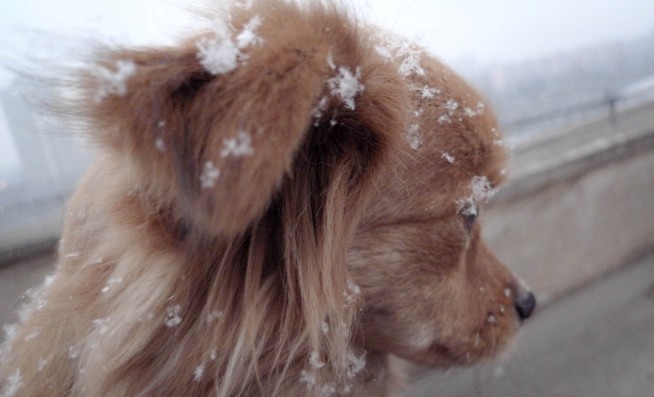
(110, 282)
(448, 157)
(221, 54)
(325, 327)
(12, 384)
(73, 352)
(209, 175)
(411, 61)
(41, 364)
(308, 378)
(314, 361)
(101, 325)
(451, 106)
(239, 146)
(480, 192)
(160, 144)
(198, 372)
(214, 315)
(173, 318)
(444, 119)
(354, 364)
(478, 111)
(430, 92)
(413, 136)
(352, 291)
(317, 112)
(248, 36)
(113, 81)
(346, 85)
(327, 390)
(218, 56)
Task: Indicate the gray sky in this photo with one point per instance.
(488, 30)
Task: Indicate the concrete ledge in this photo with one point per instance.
(579, 210)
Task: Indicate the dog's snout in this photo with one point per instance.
(525, 303)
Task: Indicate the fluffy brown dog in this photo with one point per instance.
(281, 206)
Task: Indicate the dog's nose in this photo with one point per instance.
(525, 303)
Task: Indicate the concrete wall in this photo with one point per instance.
(574, 221)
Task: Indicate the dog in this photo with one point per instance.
(284, 205)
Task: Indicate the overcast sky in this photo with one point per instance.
(489, 30)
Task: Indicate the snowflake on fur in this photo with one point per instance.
(414, 137)
(481, 191)
(12, 384)
(346, 85)
(221, 53)
(239, 146)
(173, 317)
(113, 81)
(209, 175)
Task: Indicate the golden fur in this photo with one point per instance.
(337, 231)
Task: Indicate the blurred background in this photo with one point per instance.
(572, 82)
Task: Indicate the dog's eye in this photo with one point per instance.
(469, 215)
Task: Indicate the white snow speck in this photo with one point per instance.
(209, 175)
(308, 378)
(12, 384)
(330, 61)
(507, 292)
(491, 319)
(213, 355)
(478, 111)
(430, 92)
(220, 54)
(411, 61)
(346, 85)
(317, 112)
(173, 317)
(450, 159)
(239, 146)
(325, 327)
(160, 144)
(214, 315)
(451, 106)
(101, 325)
(414, 137)
(314, 361)
(112, 281)
(327, 390)
(10, 331)
(480, 192)
(113, 81)
(198, 372)
(73, 352)
(351, 293)
(354, 364)
(41, 364)
(248, 36)
(444, 119)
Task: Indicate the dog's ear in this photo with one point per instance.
(215, 126)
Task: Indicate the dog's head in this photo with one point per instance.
(348, 166)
